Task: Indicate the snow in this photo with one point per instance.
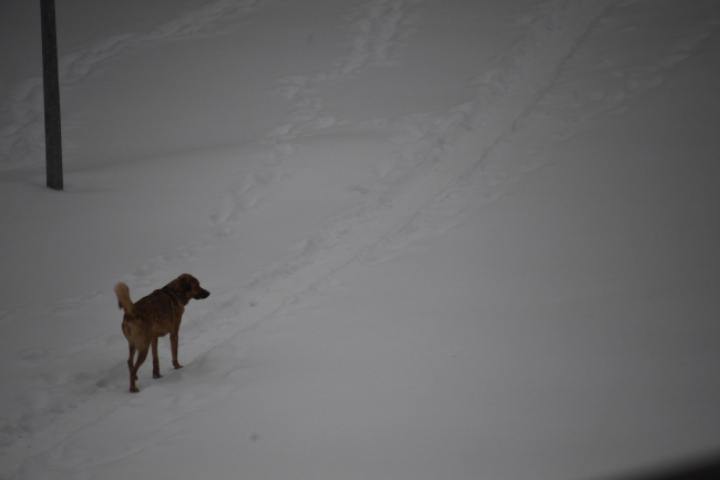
(443, 239)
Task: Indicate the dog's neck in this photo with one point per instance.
(166, 289)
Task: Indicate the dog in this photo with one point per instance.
(155, 316)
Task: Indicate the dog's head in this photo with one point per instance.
(187, 287)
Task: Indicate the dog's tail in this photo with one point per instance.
(123, 295)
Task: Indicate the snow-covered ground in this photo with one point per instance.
(444, 239)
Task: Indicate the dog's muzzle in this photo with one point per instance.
(202, 294)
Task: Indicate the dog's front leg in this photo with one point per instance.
(174, 347)
(156, 359)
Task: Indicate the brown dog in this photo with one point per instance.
(155, 316)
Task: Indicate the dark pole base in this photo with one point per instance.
(51, 93)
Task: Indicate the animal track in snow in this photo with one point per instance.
(378, 28)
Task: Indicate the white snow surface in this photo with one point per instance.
(445, 239)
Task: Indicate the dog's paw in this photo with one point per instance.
(134, 389)
(177, 366)
(157, 375)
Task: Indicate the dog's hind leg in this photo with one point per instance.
(142, 355)
(156, 360)
(131, 358)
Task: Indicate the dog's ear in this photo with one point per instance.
(185, 283)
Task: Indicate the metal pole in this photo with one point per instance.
(51, 93)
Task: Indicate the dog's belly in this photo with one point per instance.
(160, 328)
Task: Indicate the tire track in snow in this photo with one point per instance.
(509, 89)
(618, 81)
(561, 113)
(21, 134)
(549, 112)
